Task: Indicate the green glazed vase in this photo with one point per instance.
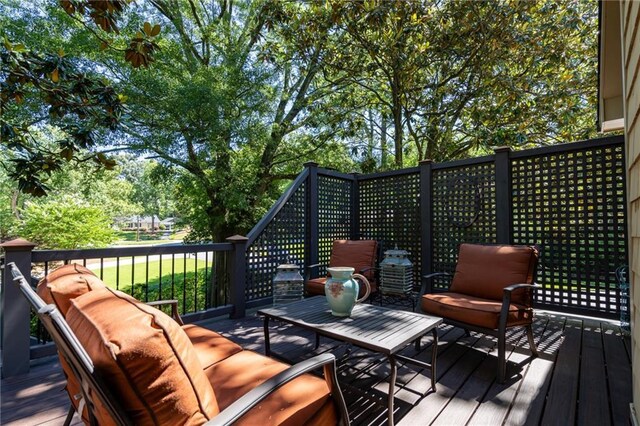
(342, 290)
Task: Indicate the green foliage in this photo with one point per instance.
(66, 224)
(238, 95)
(51, 88)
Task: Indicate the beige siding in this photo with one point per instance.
(631, 70)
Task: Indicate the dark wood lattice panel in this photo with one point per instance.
(334, 216)
(390, 213)
(283, 241)
(572, 205)
(463, 211)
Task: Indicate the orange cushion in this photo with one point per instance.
(210, 347)
(358, 254)
(144, 357)
(65, 284)
(473, 310)
(315, 287)
(293, 404)
(484, 271)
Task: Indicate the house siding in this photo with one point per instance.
(631, 84)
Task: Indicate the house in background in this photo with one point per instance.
(619, 109)
(139, 223)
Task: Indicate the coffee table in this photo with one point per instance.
(381, 330)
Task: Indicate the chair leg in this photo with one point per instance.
(502, 362)
(70, 414)
(532, 343)
(467, 333)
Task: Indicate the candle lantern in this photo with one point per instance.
(288, 285)
(396, 273)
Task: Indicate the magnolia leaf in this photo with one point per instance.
(147, 28)
(155, 31)
(55, 76)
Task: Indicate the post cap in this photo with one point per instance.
(17, 244)
(502, 149)
(237, 239)
(310, 164)
(426, 161)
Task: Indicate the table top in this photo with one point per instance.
(376, 328)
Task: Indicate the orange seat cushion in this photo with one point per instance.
(210, 347)
(295, 403)
(315, 287)
(484, 271)
(65, 284)
(145, 358)
(473, 310)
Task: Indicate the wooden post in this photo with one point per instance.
(16, 341)
(313, 232)
(503, 195)
(355, 207)
(238, 276)
(426, 222)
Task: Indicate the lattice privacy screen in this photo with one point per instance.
(283, 241)
(390, 213)
(334, 215)
(463, 210)
(572, 204)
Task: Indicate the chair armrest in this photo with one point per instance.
(513, 287)
(307, 271)
(423, 288)
(252, 398)
(367, 269)
(174, 308)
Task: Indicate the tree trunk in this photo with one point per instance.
(397, 118)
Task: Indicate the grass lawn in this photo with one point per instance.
(129, 238)
(166, 279)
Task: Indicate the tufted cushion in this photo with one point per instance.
(145, 357)
(484, 271)
(296, 403)
(473, 310)
(66, 283)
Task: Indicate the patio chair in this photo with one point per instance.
(491, 291)
(358, 254)
(135, 365)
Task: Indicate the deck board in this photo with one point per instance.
(577, 356)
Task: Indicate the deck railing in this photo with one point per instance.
(207, 280)
(568, 199)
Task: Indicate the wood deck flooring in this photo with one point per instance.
(582, 377)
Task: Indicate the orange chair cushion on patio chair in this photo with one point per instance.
(303, 400)
(211, 347)
(66, 283)
(358, 254)
(484, 271)
(145, 357)
(474, 310)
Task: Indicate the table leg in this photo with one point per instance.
(392, 387)
(434, 354)
(267, 343)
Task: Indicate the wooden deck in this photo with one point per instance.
(583, 377)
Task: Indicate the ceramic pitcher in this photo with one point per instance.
(342, 290)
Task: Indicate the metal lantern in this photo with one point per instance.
(288, 285)
(396, 272)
